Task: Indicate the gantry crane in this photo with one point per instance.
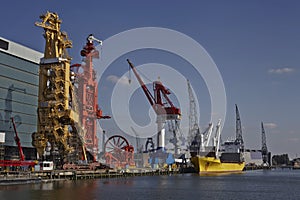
(164, 109)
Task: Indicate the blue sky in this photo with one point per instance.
(255, 45)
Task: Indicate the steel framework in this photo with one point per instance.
(58, 116)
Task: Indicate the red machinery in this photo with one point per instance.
(157, 102)
(21, 162)
(17, 139)
(87, 93)
(165, 110)
(118, 152)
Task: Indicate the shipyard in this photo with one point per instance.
(68, 110)
(90, 108)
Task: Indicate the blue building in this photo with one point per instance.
(19, 66)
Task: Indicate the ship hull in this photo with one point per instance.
(207, 165)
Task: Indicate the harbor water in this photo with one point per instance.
(259, 184)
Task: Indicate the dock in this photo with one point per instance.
(22, 177)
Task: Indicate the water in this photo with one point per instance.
(276, 184)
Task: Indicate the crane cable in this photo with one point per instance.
(142, 74)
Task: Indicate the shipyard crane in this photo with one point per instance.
(58, 113)
(239, 137)
(164, 109)
(193, 116)
(217, 139)
(264, 149)
(178, 139)
(197, 141)
(87, 95)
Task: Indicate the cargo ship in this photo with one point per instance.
(206, 165)
(208, 159)
(230, 160)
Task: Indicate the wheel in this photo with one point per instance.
(115, 144)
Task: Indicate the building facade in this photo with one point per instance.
(19, 80)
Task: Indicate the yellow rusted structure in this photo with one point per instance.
(58, 119)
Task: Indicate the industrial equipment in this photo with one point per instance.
(239, 137)
(118, 152)
(17, 140)
(149, 146)
(162, 105)
(194, 128)
(266, 155)
(58, 113)
(87, 95)
(21, 162)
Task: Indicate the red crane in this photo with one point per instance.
(88, 95)
(17, 140)
(21, 162)
(164, 109)
(156, 101)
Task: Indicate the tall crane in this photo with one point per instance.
(264, 149)
(58, 113)
(88, 95)
(178, 139)
(217, 138)
(239, 137)
(164, 109)
(193, 116)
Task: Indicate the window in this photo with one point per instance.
(3, 44)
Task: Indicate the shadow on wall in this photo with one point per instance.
(5, 122)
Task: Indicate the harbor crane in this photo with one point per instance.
(194, 128)
(264, 149)
(239, 137)
(88, 94)
(58, 123)
(197, 140)
(161, 104)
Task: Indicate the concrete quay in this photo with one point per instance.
(21, 177)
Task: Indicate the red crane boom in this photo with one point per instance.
(144, 87)
(17, 140)
(156, 102)
(165, 110)
(21, 162)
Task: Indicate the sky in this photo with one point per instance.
(254, 44)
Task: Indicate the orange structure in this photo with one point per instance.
(87, 95)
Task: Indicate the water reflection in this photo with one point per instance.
(247, 185)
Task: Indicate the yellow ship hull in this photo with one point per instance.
(206, 165)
